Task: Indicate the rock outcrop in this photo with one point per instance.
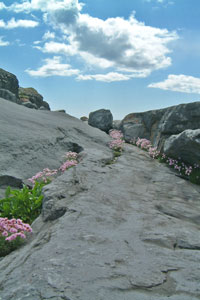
(29, 97)
(129, 230)
(185, 145)
(158, 125)
(101, 119)
(9, 82)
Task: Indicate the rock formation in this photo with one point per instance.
(128, 231)
(185, 145)
(158, 125)
(8, 86)
(29, 97)
(9, 82)
(101, 119)
(32, 99)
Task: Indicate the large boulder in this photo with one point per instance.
(9, 81)
(101, 119)
(32, 96)
(158, 125)
(185, 145)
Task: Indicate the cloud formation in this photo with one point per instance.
(53, 67)
(3, 43)
(109, 77)
(117, 45)
(12, 23)
(179, 83)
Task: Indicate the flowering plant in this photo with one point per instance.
(116, 134)
(43, 176)
(117, 141)
(12, 232)
(116, 145)
(68, 164)
(71, 155)
(188, 172)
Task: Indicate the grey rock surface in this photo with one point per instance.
(38, 139)
(158, 125)
(6, 94)
(124, 231)
(29, 105)
(9, 81)
(185, 145)
(116, 124)
(101, 119)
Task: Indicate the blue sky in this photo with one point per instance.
(123, 55)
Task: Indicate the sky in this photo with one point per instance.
(123, 55)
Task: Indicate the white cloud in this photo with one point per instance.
(49, 35)
(179, 83)
(166, 2)
(42, 5)
(2, 5)
(110, 77)
(3, 43)
(53, 67)
(12, 23)
(124, 45)
(117, 44)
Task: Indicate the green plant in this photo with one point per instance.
(24, 204)
(7, 247)
(117, 153)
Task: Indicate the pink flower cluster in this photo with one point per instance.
(11, 229)
(71, 155)
(146, 145)
(116, 134)
(180, 167)
(44, 175)
(143, 143)
(68, 164)
(117, 143)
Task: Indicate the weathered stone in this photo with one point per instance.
(30, 105)
(42, 108)
(129, 230)
(158, 125)
(61, 110)
(9, 81)
(31, 95)
(185, 145)
(116, 124)
(101, 119)
(6, 94)
(84, 119)
(40, 138)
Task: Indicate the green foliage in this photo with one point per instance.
(195, 176)
(117, 153)
(6, 247)
(24, 204)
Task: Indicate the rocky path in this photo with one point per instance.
(130, 232)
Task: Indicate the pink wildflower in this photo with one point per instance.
(68, 164)
(116, 134)
(13, 228)
(44, 175)
(116, 144)
(71, 155)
